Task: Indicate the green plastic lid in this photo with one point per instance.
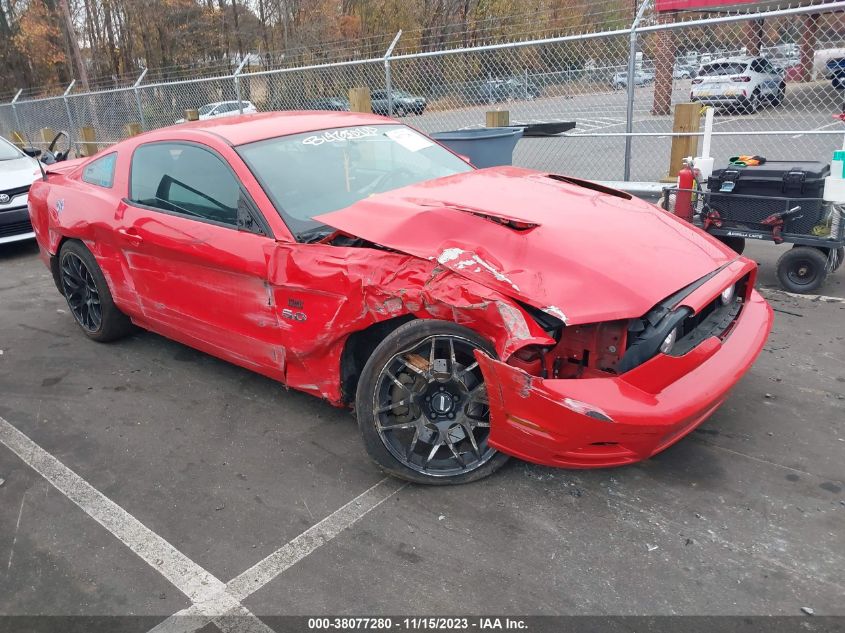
(839, 155)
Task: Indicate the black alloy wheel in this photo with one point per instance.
(422, 405)
(81, 293)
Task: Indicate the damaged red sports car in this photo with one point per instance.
(468, 315)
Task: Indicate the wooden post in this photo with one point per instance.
(47, 135)
(687, 119)
(192, 114)
(89, 141)
(17, 139)
(359, 100)
(498, 118)
(133, 129)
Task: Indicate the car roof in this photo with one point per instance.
(740, 59)
(248, 128)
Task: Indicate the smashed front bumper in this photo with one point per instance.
(600, 422)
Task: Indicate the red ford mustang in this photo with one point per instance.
(468, 315)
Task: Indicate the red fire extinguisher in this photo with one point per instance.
(683, 197)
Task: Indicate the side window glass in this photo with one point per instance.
(101, 171)
(756, 67)
(184, 179)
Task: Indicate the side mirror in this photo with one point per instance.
(33, 152)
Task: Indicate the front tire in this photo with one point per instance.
(88, 295)
(777, 99)
(802, 269)
(422, 405)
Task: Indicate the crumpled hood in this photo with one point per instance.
(579, 254)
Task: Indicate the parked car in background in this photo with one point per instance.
(683, 71)
(403, 103)
(18, 170)
(835, 71)
(337, 104)
(223, 108)
(744, 83)
(518, 88)
(641, 78)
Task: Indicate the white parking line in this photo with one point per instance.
(254, 578)
(182, 572)
(213, 600)
(821, 127)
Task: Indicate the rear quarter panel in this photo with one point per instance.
(65, 207)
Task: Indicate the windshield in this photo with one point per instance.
(8, 151)
(723, 68)
(207, 108)
(307, 174)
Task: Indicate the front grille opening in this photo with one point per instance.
(715, 319)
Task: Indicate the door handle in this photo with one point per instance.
(131, 236)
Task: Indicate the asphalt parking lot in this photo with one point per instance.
(144, 478)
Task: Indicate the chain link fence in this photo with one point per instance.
(619, 87)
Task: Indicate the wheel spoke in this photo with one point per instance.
(431, 455)
(470, 368)
(396, 427)
(432, 354)
(411, 366)
(452, 360)
(479, 394)
(393, 405)
(413, 444)
(397, 382)
(471, 438)
(454, 451)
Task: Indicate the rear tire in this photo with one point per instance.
(88, 295)
(751, 104)
(778, 98)
(423, 421)
(802, 269)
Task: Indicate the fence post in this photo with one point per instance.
(69, 117)
(135, 88)
(631, 85)
(15, 110)
(89, 141)
(237, 79)
(388, 83)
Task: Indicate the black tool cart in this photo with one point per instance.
(778, 201)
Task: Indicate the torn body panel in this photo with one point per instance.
(342, 290)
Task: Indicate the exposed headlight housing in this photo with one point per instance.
(728, 295)
(669, 341)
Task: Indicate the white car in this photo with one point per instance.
(17, 172)
(223, 108)
(741, 82)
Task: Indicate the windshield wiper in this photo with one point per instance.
(314, 235)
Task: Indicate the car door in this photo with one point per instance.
(196, 250)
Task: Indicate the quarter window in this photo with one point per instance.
(184, 179)
(101, 171)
